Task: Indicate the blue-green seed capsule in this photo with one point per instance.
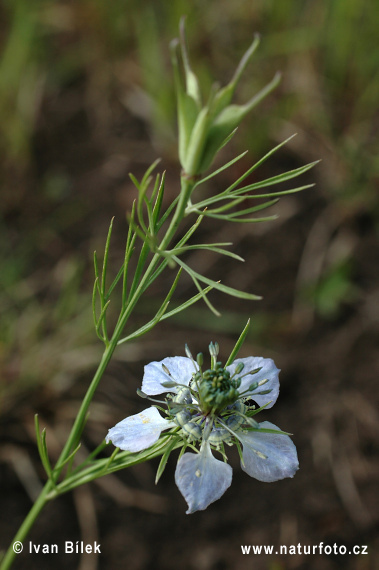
(219, 435)
(193, 430)
(182, 418)
(234, 422)
(183, 396)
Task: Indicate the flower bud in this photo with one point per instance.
(205, 129)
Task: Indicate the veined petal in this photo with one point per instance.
(138, 432)
(201, 478)
(268, 456)
(181, 369)
(269, 371)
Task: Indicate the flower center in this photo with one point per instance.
(216, 389)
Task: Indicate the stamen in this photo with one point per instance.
(169, 384)
(166, 370)
(188, 352)
(213, 351)
(259, 453)
(189, 355)
(255, 371)
(145, 396)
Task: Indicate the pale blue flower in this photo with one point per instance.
(211, 409)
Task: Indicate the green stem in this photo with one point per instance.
(77, 428)
(24, 529)
(186, 189)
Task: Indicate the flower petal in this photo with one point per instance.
(138, 432)
(181, 369)
(268, 371)
(281, 456)
(201, 478)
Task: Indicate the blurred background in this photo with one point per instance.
(86, 96)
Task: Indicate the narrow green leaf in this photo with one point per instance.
(221, 169)
(159, 315)
(156, 187)
(171, 444)
(225, 95)
(228, 205)
(128, 254)
(264, 430)
(69, 458)
(144, 181)
(189, 233)
(209, 247)
(158, 201)
(150, 218)
(95, 289)
(130, 218)
(89, 459)
(205, 298)
(167, 213)
(254, 101)
(141, 221)
(257, 164)
(276, 179)
(187, 304)
(101, 322)
(239, 343)
(231, 218)
(45, 455)
(145, 328)
(250, 210)
(135, 181)
(38, 435)
(282, 192)
(96, 270)
(114, 282)
(224, 288)
(245, 60)
(105, 260)
(157, 272)
(138, 271)
(112, 457)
